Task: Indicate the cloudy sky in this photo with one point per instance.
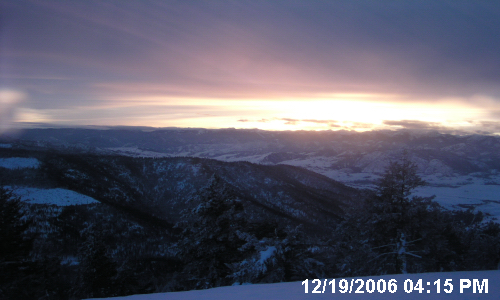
(278, 65)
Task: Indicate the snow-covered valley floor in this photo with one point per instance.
(482, 193)
(296, 290)
(453, 191)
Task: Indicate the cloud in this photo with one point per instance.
(209, 49)
(319, 121)
(478, 127)
(414, 124)
(260, 120)
(490, 125)
(88, 54)
(292, 121)
(495, 113)
(9, 105)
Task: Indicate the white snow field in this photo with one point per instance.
(452, 192)
(59, 197)
(19, 162)
(484, 198)
(460, 285)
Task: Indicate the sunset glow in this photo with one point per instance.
(267, 65)
(283, 114)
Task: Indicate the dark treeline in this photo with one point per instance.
(99, 250)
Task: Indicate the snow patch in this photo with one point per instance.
(484, 198)
(19, 163)
(59, 197)
(266, 254)
(70, 261)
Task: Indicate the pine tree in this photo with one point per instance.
(395, 232)
(393, 202)
(381, 230)
(98, 271)
(15, 246)
(211, 240)
(281, 256)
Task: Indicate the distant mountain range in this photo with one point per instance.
(447, 162)
(322, 151)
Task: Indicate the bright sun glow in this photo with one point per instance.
(337, 111)
(372, 112)
(344, 112)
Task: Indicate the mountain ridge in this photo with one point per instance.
(164, 187)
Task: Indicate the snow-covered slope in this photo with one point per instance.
(476, 193)
(462, 170)
(19, 162)
(296, 290)
(58, 196)
(166, 186)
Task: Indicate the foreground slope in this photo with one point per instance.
(296, 290)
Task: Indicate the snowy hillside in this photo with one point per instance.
(164, 222)
(462, 171)
(296, 290)
(58, 196)
(474, 194)
(19, 163)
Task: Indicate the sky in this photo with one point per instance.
(272, 65)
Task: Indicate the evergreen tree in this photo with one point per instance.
(393, 204)
(281, 256)
(394, 232)
(211, 237)
(382, 230)
(294, 259)
(97, 270)
(15, 246)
